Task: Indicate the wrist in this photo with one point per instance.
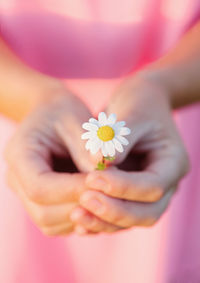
(42, 94)
(148, 84)
(159, 79)
(48, 92)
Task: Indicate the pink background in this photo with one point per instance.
(92, 46)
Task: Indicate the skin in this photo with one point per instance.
(128, 199)
(89, 201)
(49, 196)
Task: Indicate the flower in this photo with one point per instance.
(105, 134)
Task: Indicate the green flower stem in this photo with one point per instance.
(102, 164)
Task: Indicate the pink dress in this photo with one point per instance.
(92, 45)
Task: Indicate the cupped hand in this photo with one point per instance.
(118, 199)
(52, 130)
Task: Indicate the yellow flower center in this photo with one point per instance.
(105, 133)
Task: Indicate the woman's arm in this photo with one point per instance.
(125, 199)
(21, 88)
(179, 70)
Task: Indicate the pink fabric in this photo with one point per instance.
(92, 45)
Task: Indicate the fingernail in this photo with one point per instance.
(80, 230)
(98, 184)
(93, 204)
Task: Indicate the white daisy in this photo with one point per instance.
(105, 134)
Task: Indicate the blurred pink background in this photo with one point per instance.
(92, 46)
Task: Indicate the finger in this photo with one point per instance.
(70, 131)
(90, 222)
(60, 230)
(43, 216)
(40, 183)
(166, 167)
(124, 213)
(137, 125)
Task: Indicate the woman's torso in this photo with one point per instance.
(92, 44)
(93, 38)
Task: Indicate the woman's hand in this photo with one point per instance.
(52, 129)
(118, 199)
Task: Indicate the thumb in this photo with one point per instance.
(70, 132)
(138, 131)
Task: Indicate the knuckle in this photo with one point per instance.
(68, 230)
(124, 191)
(155, 193)
(147, 221)
(151, 221)
(43, 217)
(133, 219)
(35, 193)
(48, 231)
(142, 193)
(119, 190)
(120, 219)
(110, 189)
(55, 231)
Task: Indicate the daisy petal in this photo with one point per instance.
(112, 118)
(118, 145)
(89, 135)
(120, 124)
(117, 126)
(98, 143)
(93, 149)
(94, 121)
(88, 144)
(110, 148)
(95, 146)
(90, 127)
(103, 150)
(124, 131)
(122, 140)
(102, 119)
